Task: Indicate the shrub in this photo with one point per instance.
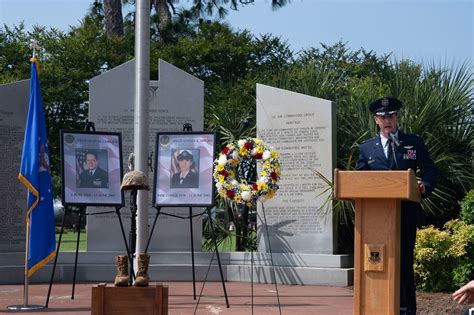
(444, 259)
(467, 207)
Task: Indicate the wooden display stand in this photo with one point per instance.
(108, 300)
(377, 196)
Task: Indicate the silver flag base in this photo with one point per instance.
(22, 307)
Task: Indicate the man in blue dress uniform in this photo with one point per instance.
(392, 149)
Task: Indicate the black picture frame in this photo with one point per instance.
(91, 168)
(178, 149)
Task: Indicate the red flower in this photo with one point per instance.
(273, 176)
(248, 145)
(225, 151)
(230, 194)
(258, 156)
(224, 173)
(254, 186)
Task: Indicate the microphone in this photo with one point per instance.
(394, 139)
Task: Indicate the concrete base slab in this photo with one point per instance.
(305, 269)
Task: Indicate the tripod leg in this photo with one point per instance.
(56, 257)
(213, 234)
(192, 250)
(77, 251)
(271, 258)
(152, 229)
(251, 277)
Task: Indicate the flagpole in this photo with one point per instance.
(25, 288)
(25, 307)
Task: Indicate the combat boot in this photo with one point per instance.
(142, 278)
(121, 265)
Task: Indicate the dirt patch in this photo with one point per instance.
(439, 303)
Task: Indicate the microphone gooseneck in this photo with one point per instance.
(394, 139)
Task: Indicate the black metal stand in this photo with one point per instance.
(190, 217)
(81, 213)
(271, 260)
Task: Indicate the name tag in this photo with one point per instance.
(410, 155)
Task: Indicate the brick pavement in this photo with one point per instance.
(294, 299)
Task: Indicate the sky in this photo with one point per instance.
(426, 31)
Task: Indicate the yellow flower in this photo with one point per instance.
(231, 173)
(221, 179)
(266, 164)
(257, 141)
(243, 151)
(259, 149)
(237, 198)
(220, 167)
(222, 193)
(270, 195)
(244, 187)
(262, 186)
(275, 154)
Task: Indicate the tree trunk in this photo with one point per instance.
(113, 18)
(163, 12)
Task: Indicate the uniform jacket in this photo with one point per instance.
(99, 179)
(190, 181)
(411, 153)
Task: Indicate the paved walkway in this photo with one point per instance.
(294, 299)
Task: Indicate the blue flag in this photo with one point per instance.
(35, 175)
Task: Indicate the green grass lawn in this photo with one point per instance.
(68, 242)
(69, 239)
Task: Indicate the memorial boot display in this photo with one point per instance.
(142, 278)
(121, 265)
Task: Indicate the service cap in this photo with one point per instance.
(385, 106)
(185, 155)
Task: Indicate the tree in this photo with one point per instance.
(113, 18)
(165, 9)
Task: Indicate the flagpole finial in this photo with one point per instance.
(34, 45)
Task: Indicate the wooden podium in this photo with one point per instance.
(377, 196)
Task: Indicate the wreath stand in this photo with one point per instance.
(271, 260)
(227, 186)
(190, 217)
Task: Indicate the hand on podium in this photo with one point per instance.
(422, 187)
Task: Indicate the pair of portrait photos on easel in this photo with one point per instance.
(92, 168)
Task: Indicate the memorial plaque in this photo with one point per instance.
(176, 98)
(13, 112)
(302, 129)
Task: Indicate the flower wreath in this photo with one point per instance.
(225, 167)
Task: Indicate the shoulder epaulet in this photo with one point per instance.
(370, 139)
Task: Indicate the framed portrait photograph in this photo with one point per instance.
(183, 169)
(91, 164)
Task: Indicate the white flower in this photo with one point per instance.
(241, 142)
(234, 182)
(254, 151)
(235, 155)
(266, 155)
(222, 159)
(219, 186)
(246, 195)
